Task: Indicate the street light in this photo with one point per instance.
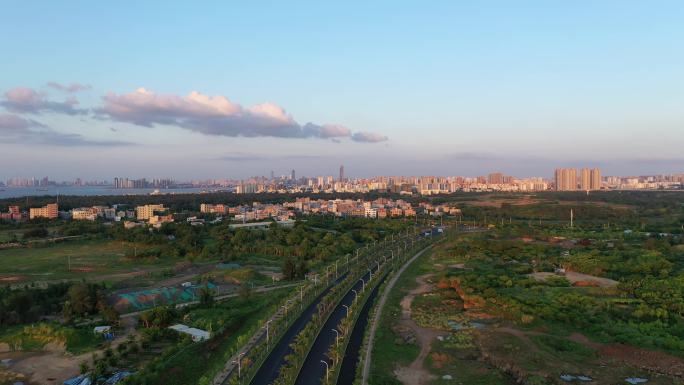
(337, 337)
(355, 295)
(301, 297)
(370, 273)
(347, 307)
(268, 335)
(327, 369)
(239, 362)
(363, 285)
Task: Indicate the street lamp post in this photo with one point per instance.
(346, 307)
(239, 362)
(268, 334)
(327, 369)
(363, 285)
(301, 297)
(337, 337)
(355, 295)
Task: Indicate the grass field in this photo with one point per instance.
(7, 235)
(88, 259)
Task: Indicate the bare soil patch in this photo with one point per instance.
(12, 278)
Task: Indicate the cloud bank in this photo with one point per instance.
(217, 115)
(28, 100)
(16, 129)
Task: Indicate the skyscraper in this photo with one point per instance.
(595, 179)
(341, 173)
(293, 174)
(585, 179)
(566, 179)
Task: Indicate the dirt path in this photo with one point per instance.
(378, 315)
(415, 373)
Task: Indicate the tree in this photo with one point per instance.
(110, 315)
(206, 296)
(80, 299)
(289, 269)
(245, 291)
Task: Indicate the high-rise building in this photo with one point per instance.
(495, 178)
(293, 175)
(585, 179)
(341, 173)
(595, 179)
(590, 179)
(566, 179)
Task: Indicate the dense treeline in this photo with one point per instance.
(70, 300)
(27, 305)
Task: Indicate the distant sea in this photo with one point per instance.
(14, 192)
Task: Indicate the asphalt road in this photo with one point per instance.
(268, 371)
(351, 354)
(313, 370)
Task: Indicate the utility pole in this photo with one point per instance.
(571, 218)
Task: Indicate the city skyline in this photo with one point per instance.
(438, 89)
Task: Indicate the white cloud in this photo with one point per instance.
(217, 115)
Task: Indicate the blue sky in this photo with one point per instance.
(436, 88)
